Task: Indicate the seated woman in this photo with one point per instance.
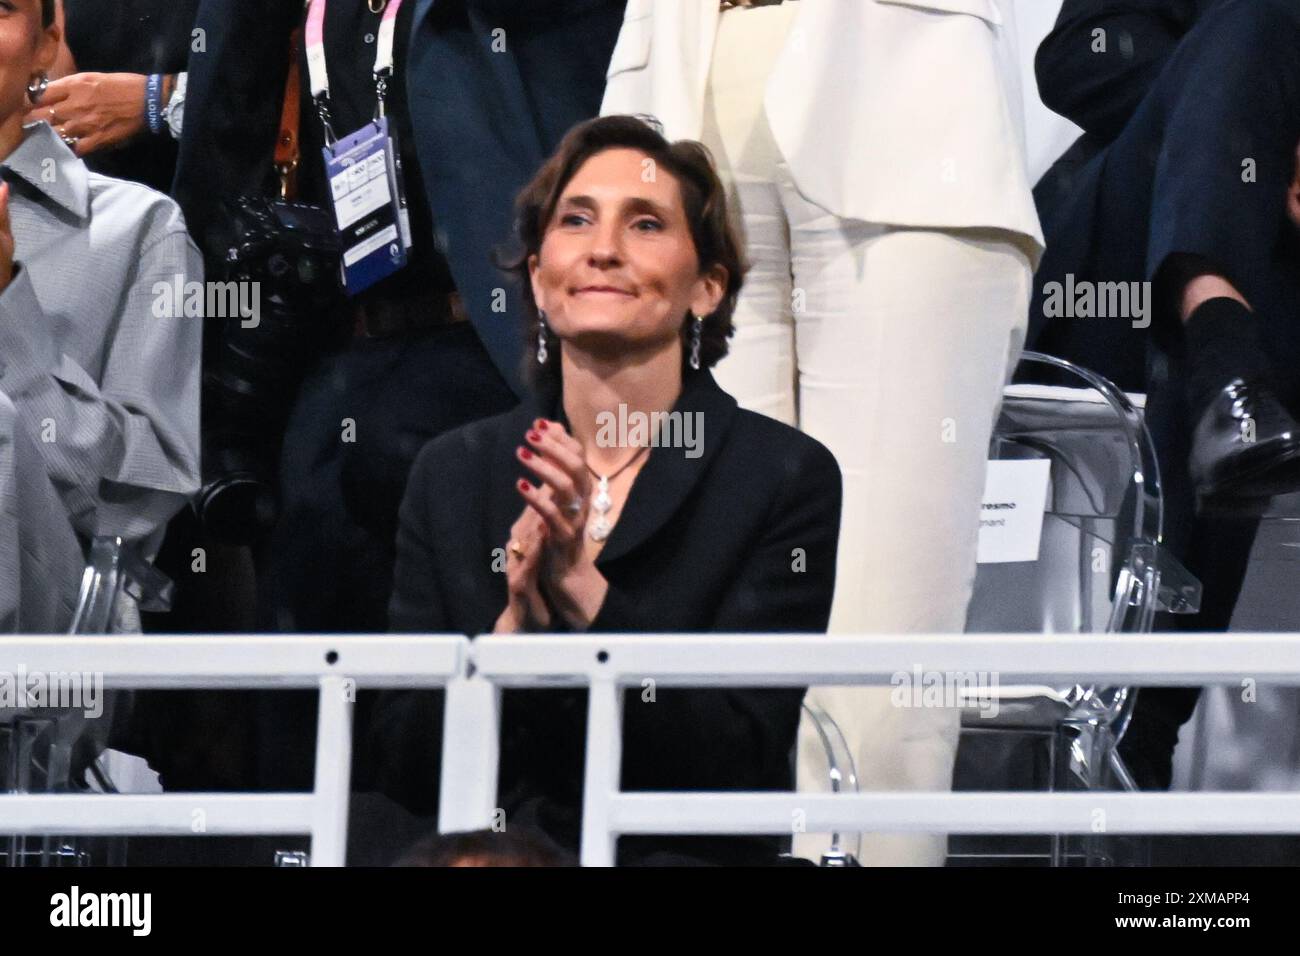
(576, 512)
(99, 364)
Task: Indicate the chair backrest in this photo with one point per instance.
(1103, 524)
(116, 570)
(117, 581)
(842, 777)
(1101, 567)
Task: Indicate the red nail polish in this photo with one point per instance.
(534, 437)
(524, 486)
(540, 424)
(524, 453)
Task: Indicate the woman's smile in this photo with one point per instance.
(604, 292)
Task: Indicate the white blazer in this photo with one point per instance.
(905, 112)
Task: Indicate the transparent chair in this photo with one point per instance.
(843, 778)
(59, 749)
(1101, 569)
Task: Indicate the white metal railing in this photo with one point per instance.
(335, 665)
(475, 673)
(607, 665)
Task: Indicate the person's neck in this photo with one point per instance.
(593, 386)
(11, 135)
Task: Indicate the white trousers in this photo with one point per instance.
(891, 346)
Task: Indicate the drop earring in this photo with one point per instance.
(36, 88)
(695, 342)
(541, 338)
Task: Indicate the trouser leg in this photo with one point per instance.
(904, 347)
(891, 347)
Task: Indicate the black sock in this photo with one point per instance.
(1222, 344)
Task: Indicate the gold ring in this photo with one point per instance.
(517, 549)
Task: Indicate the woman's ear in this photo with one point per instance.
(534, 280)
(710, 288)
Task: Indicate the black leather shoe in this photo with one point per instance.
(1246, 445)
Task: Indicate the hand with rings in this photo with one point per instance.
(93, 111)
(68, 141)
(570, 580)
(526, 609)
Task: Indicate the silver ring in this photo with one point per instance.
(575, 506)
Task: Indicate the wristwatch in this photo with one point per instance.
(174, 112)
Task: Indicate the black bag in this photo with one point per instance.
(252, 372)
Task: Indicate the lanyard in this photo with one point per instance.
(319, 75)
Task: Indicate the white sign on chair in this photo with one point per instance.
(1011, 517)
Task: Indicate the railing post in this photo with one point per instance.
(471, 745)
(329, 822)
(604, 762)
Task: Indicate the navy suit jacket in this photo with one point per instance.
(493, 86)
(1101, 91)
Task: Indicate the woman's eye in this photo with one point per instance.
(648, 225)
(572, 219)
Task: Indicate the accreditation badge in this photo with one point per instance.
(364, 174)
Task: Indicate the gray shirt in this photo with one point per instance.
(108, 390)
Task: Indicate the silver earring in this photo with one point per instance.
(695, 343)
(541, 337)
(36, 89)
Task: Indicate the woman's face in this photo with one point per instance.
(26, 51)
(617, 270)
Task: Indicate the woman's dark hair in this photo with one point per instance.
(47, 12)
(703, 197)
(520, 846)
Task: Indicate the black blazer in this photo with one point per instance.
(741, 538)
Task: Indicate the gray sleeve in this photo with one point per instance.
(121, 442)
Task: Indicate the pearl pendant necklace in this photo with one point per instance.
(598, 525)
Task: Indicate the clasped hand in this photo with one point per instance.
(549, 573)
